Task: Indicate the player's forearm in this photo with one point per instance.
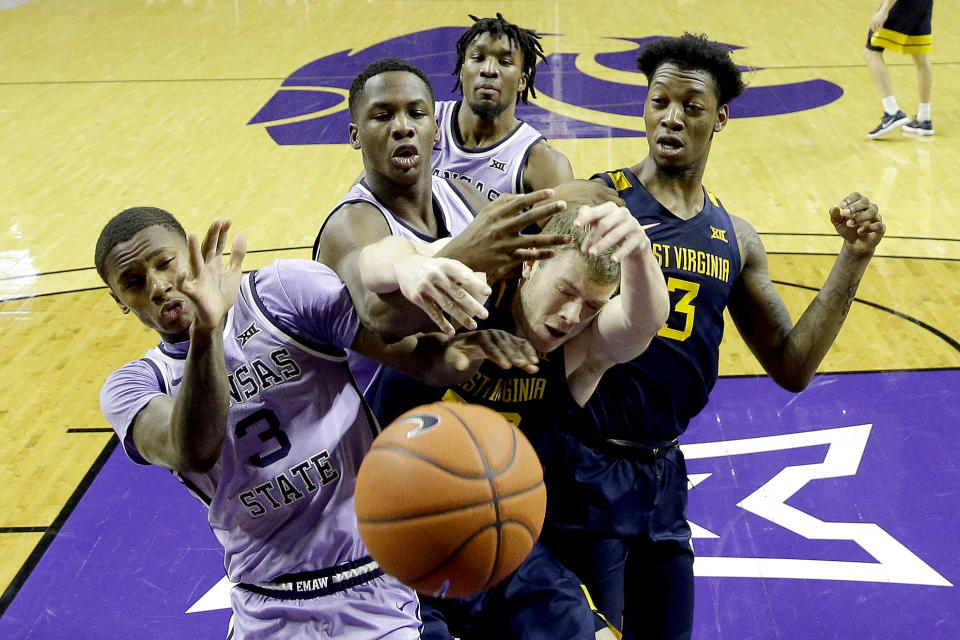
(814, 333)
(380, 261)
(199, 419)
(639, 311)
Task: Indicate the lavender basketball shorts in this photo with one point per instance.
(382, 608)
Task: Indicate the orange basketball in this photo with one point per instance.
(450, 498)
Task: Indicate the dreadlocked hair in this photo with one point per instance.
(526, 40)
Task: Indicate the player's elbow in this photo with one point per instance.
(198, 459)
(793, 381)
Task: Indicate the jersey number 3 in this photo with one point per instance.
(683, 306)
(271, 432)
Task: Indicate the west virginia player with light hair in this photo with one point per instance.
(482, 142)
(249, 400)
(621, 525)
(568, 308)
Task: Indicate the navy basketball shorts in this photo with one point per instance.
(541, 600)
(906, 30)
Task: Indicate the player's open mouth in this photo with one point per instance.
(406, 156)
(669, 145)
(171, 311)
(555, 333)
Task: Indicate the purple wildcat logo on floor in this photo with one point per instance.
(313, 100)
(833, 513)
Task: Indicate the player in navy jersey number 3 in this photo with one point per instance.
(621, 525)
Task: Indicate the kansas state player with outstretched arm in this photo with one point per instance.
(621, 525)
(248, 398)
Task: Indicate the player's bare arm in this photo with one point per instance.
(186, 433)
(352, 228)
(440, 287)
(791, 353)
(546, 167)
(625, 326)
(493, 242)
(441, 360)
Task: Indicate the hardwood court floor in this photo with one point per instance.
(107, 104)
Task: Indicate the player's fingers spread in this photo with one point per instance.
(212, 238)
(196, 259)
(238, 252)
(525, 255)
(222, 237)
(454, 309)
(539, 214)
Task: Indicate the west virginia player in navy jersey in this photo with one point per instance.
(621, 525)
(700, 260)
(561, 307)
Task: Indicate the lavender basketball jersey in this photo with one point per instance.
(280, 497)
(454, 215)
(492, 170)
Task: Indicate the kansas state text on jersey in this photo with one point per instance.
(654, 396)
(280, 498)
(492, 170)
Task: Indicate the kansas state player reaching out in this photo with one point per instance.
(621, 525)
(249, 399)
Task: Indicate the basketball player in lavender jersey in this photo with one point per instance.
(482, 142)
(249, 400)
(393, 125)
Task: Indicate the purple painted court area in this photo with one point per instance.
(848, 525)
(318, 86)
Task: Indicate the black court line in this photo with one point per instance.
(49, 533)
(23, 529)
(833, 235)
(940, 334)
(90, 430)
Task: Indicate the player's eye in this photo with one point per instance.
(166, 262)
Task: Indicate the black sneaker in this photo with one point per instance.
(889, 123)
(924, 128)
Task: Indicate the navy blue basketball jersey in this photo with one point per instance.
(654, 396)
(534, 402)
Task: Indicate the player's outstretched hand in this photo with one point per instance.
(502, 348)
(210, 284)
(493, 242)
(611, 226)
(858, 221)
(444, 288)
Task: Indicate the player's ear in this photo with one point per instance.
(354, 136)
(722, 116)
(123, 308)
(524, 78)
(436, 126)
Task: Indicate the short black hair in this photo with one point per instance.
(526, 40)
(127, 224)
(694, 52)
(383, 65)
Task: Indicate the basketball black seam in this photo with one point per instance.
(413, 516)
(414, 454)
(454, 553)
(493, 487)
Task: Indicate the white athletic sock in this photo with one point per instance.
(923, 112)
(890, 105)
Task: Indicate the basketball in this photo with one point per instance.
(450, 499)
